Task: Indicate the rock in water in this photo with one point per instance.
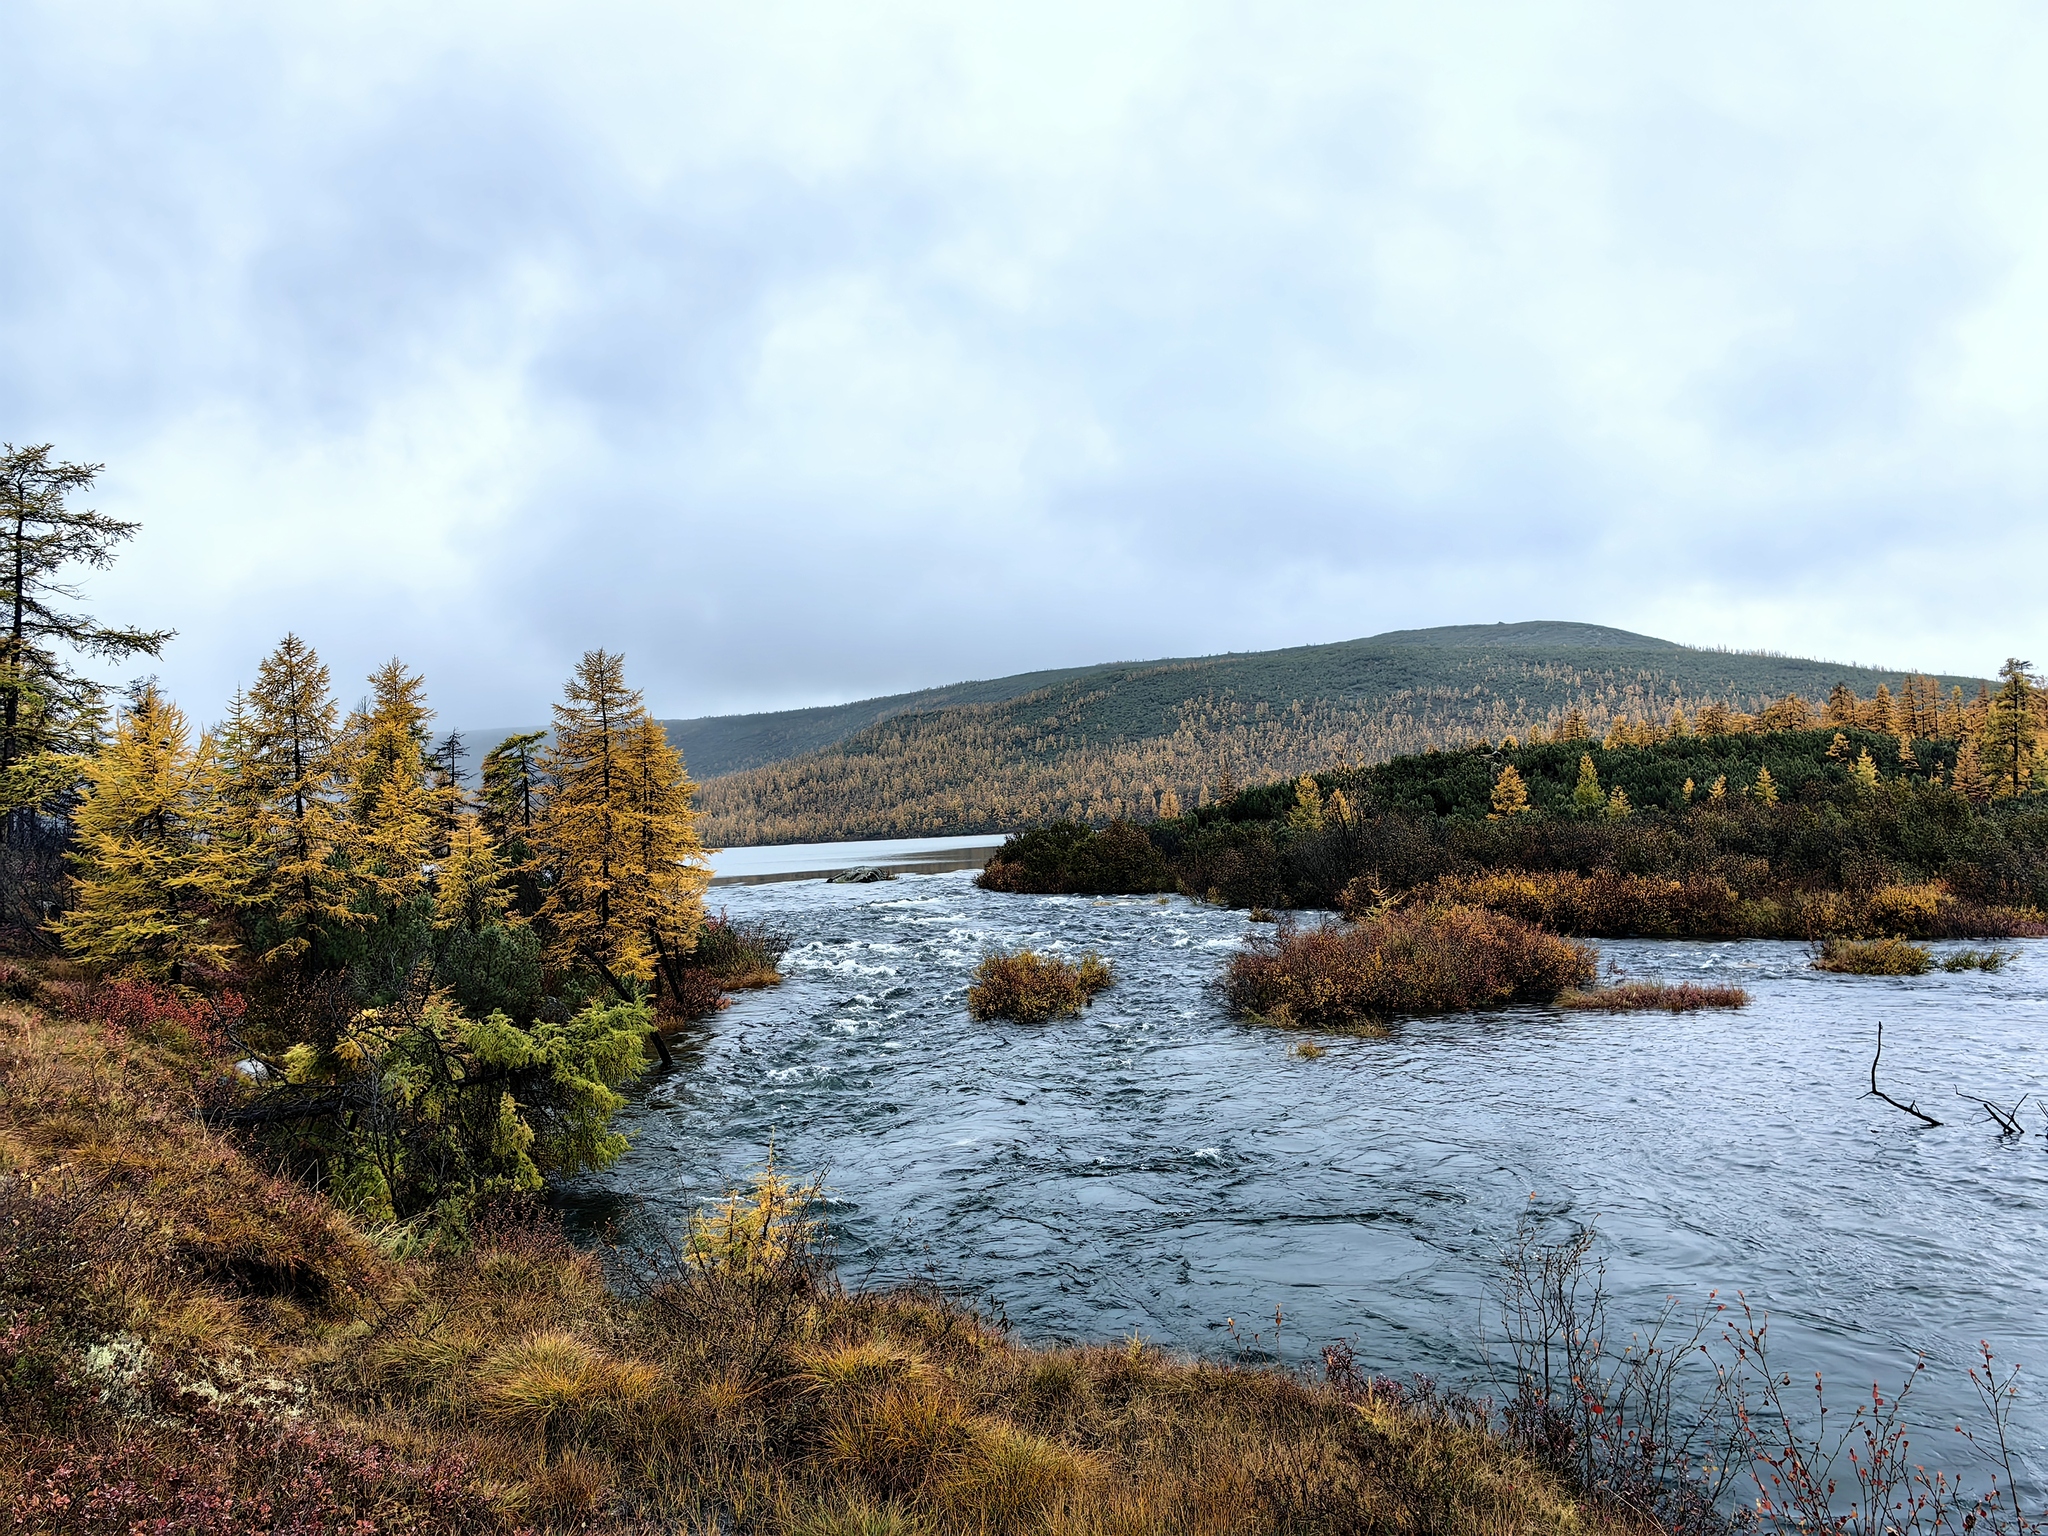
(860, 874)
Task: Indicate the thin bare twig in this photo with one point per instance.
(1878, 1093)
(2008, 1119)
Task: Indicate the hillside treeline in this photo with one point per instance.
(1082, 754)
(1797, 825)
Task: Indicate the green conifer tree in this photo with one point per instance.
(286, 795)
(1587, 795)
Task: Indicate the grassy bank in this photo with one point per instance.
(188, 1336)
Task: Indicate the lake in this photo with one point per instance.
(1156, 1167)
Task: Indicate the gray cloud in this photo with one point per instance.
(813, 352)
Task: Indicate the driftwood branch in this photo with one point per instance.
(2008, 1120)
(1878, 1093)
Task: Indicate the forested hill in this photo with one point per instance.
(1120, 739)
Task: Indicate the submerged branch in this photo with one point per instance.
(1878, 1093)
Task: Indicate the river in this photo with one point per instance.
(1156, 1167)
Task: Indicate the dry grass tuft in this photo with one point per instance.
(1875, 957)
(1024, 985)
(1653, 997)
(555, 1377)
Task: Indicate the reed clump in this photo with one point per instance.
(740, 954)
(1424, 959)
(1023, 985)
(1654, 996)
(1992, 960)
(1891, 956)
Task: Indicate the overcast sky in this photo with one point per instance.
(807, 352)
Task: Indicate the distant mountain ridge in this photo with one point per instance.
(1115, 738)
(1118, 738)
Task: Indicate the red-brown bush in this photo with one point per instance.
(1418, 960)
(1654, 997)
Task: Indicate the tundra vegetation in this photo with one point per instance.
(1922, 817)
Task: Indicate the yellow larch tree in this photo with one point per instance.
(1510, 794)
(470, 891)
(390, 799)
(1306, 815)
(1969, 779)
(2010, 733)
(616, 836)
(1587, 795)
(670, 867)
(155, 891)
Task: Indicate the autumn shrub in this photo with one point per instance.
(1603, 904)
(1875, 957)
(740, 954)
(693, 993)
(202, 1469)
(1421, 959)
(1654, 996)
(1024, 985)
(17, 981)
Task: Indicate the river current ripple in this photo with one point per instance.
(1155, 1167)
